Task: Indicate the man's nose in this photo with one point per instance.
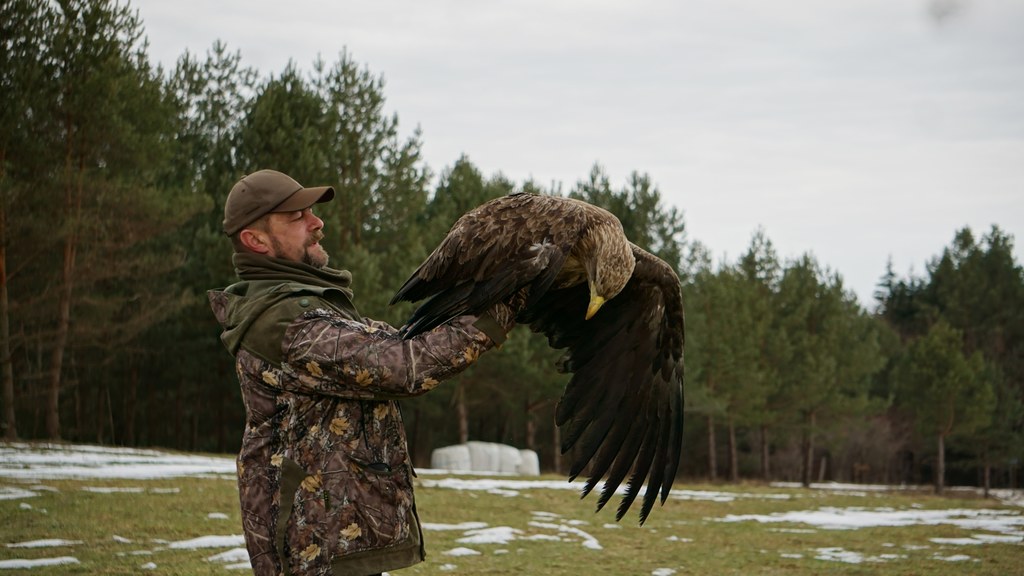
(316, 221)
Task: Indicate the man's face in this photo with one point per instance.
(296, 236)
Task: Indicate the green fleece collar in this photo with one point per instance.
(279, 287)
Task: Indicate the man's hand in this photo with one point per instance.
(504, 315)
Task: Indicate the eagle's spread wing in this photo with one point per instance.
(490, 253)
(623, 406)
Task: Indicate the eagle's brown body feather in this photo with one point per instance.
(623, 406)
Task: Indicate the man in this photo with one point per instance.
(324, 475)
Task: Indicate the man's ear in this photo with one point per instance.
(255, 241)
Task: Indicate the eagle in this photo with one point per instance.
(615, 309)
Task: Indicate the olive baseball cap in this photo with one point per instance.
(268, 191)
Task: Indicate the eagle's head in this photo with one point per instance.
(610, 265)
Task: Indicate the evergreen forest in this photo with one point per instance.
(113, 175)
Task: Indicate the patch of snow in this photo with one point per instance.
(15, 493)
(503, 492)
(148, 566)
(794, 556)
(488, 484)
(1003, 539)
(233, 555)
(43, 488)
(611, 526)
(217, 516)
(956, 541)
(953, 558)
(495, 535)
(588, 540)
(549, 537)
(497, 485)
(121, 539)
(239, 566)
(52, 461)
(678, 539)
(25, 506)
(663, 572)
(461, 551)
(545, 514)
(981, 539)
(208, 542)
(1004, 521)
(447, 567)
(839, 555)
(47, 543)
(713, 496)
(462, 526)
(114, 489)
(1007, 496)
(18, 564)
(836, 554)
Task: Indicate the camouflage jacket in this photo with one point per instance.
(324, 475)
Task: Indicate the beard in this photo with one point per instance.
(314, 254)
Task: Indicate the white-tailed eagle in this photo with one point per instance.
(616, 309)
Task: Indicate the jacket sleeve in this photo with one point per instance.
(325, 353)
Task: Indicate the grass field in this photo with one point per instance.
(122, 526)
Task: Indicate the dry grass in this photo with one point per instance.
(684, 535)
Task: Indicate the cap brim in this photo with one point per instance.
(304, 198)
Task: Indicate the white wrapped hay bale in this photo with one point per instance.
(529, 463)
(483, 456)
(508, 459)
(453, 458)
(486, 457)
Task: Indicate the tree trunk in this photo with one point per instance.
(60, 341)
(734, 467)
(9, 424)
(712, 450)
(808, 451)
(462, 414)
(72, 212)
(531, 430)
(765, 455)
(986, 473)
(556, 436)
(129, 409)
(100, 413)
(940, 465)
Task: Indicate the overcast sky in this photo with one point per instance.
(858, 131)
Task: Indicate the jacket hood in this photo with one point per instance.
(265, 283)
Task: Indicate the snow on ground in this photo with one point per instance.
(36, 563)
(512, 487)
(46, 543)
(15, 493)
(1010, 523)
(50, 461)
(208, 542)
(24, 463)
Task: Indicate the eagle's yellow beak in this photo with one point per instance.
(595, 304)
